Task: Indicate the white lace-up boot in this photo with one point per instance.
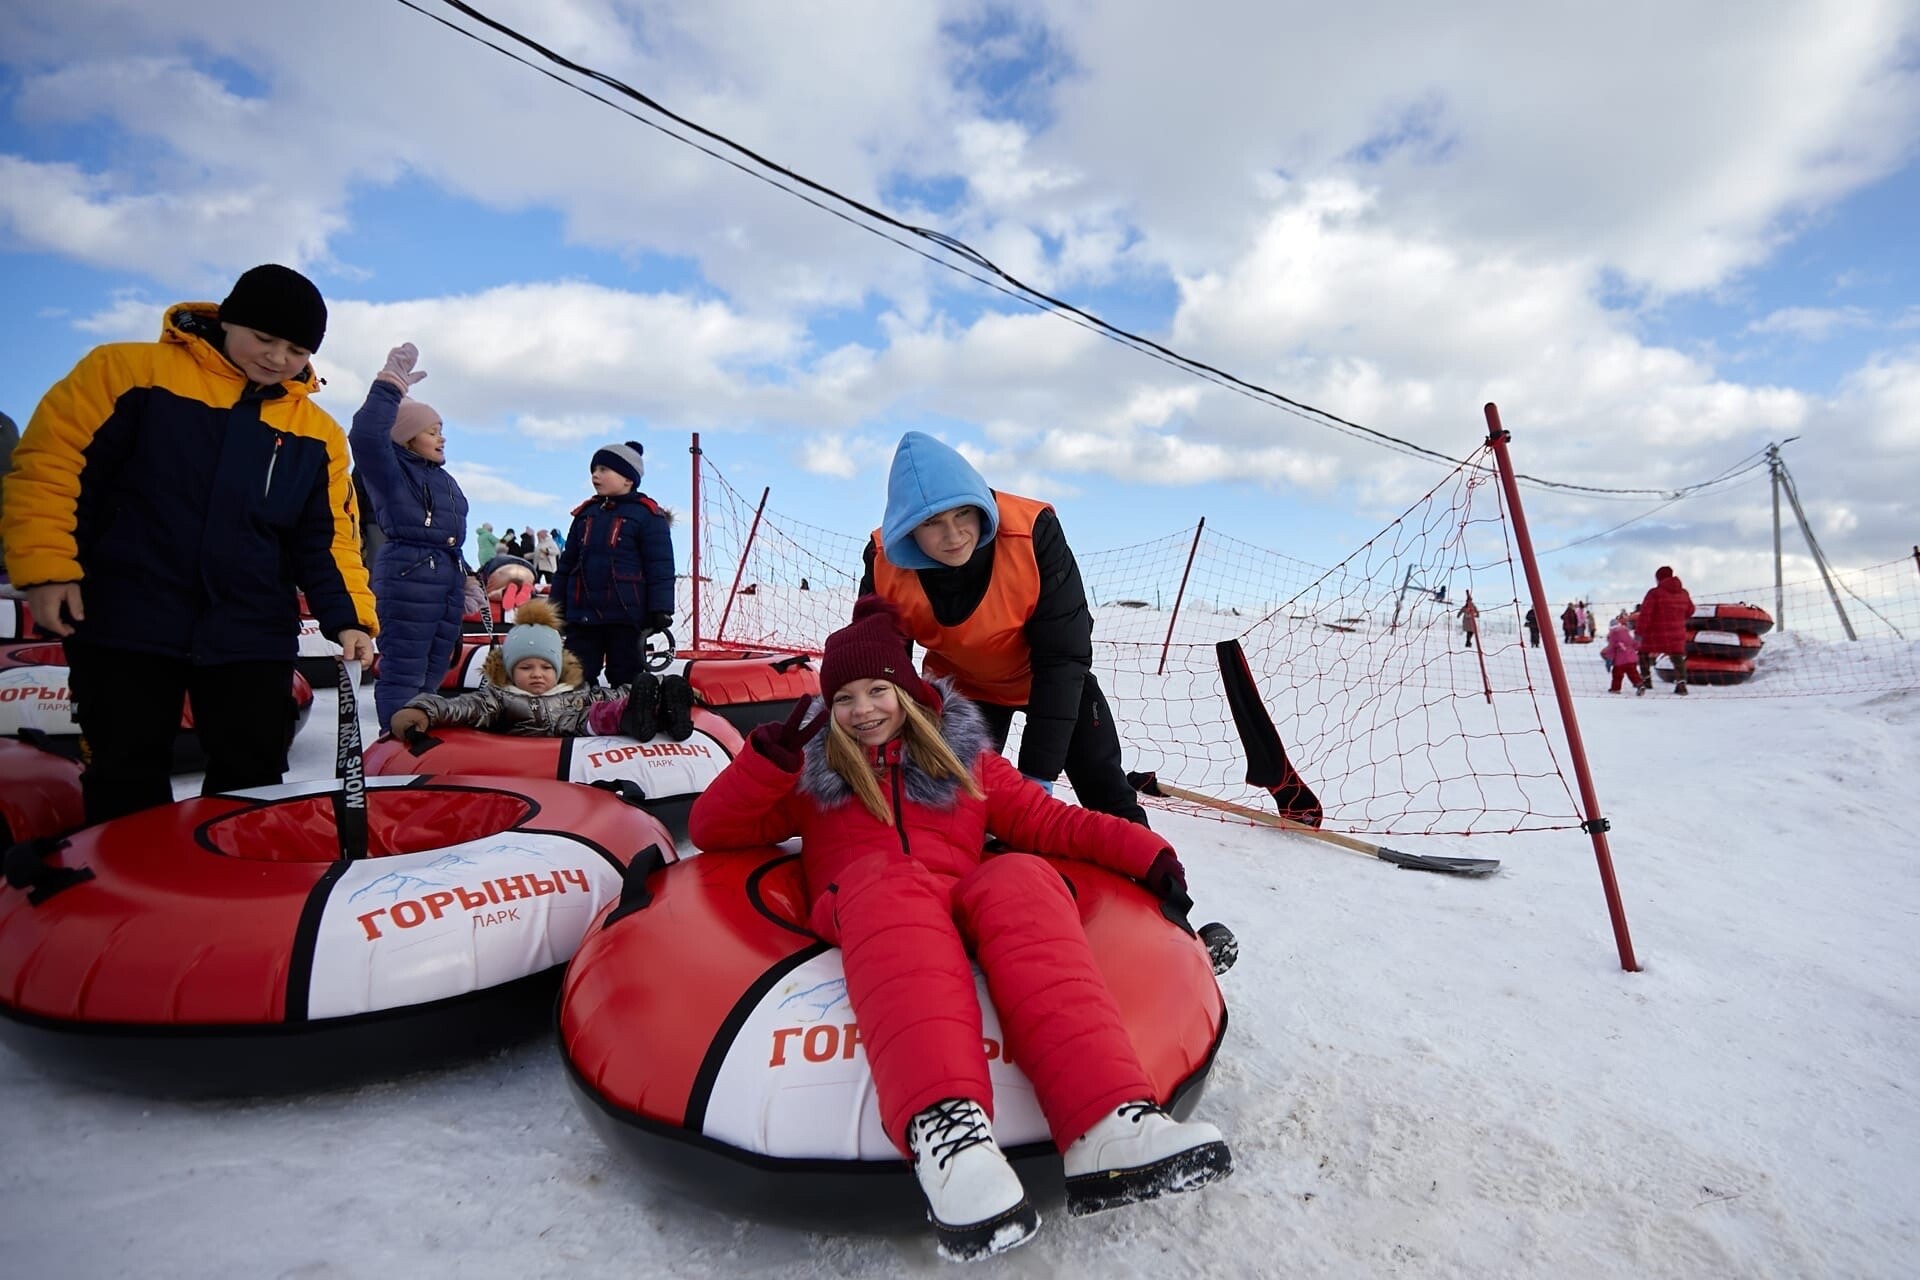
(1140, 1152)
(974, 1198)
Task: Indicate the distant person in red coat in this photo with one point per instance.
(1663, 626)
(1470, 619)
(892, 804)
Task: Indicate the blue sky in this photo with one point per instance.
(1656, 247)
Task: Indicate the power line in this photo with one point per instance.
(825, 198)
(1753, 461)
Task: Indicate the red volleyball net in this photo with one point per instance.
(1398, 724)
(1394, 719)
(1363, 667)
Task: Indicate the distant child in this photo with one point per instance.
(1470, 619)
(534, 688)
(1623, 652)
(419, 575)
(615, 579)
(546, 556)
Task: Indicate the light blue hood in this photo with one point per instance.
(927, 478)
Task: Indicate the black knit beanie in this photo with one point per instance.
(280, 301)
(623, 458)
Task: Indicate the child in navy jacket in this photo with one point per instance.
(419, 579)
(615, 579)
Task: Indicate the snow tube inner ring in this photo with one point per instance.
(410, 821)
(778, 891)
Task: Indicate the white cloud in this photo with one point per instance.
(1881, 403)
(828, 455)
(550, 432)
(1397, 230)
(130, 318)
(188, 237)
(1814, 324)
(483, 483)
(570, 358)
(1638, 136)
(993, 154)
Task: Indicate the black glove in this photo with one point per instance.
(784, 744)
(1166, 879)
(660, 621)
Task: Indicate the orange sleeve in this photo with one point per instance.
(43, 488)
(346, 529)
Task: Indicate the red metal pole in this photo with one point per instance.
(1595, 825)
(1162, 669)
(720, 636)
(699, 530)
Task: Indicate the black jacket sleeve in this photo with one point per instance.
(866, 585)
(310, 549)
(1060, 634)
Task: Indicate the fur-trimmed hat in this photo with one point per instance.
(535, 634)
(624, 458)
(280, 301)
(873, 646)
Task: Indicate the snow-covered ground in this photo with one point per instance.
(1424, 1076)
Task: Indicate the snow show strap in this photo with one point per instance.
(350, 766)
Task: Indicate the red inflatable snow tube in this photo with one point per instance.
(1712, 671)
(1735, 645)
(16, 620)
(39, 792)
(741, 1077)
(1747, 619)
(749, 689)
(670, 775)
(1723, 643)
(224, 945)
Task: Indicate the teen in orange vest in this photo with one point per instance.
(987, 584)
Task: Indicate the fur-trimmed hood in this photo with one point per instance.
(961, 723)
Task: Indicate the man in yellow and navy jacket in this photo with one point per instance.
(166, 502)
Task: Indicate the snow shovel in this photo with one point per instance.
(1149, 784)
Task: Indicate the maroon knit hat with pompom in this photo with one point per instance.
(873, 646)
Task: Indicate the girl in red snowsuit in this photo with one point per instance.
(893, 806)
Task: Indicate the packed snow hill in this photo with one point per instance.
(1424, 1075)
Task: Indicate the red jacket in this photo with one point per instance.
(1663, 617)
(755, 802)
